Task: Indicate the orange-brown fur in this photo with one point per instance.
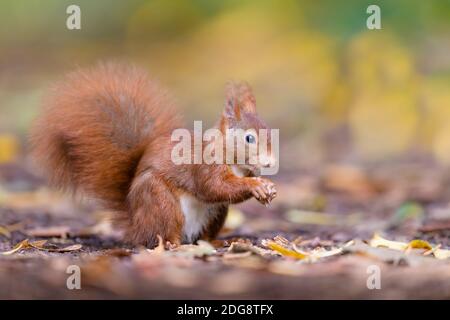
(106, 132)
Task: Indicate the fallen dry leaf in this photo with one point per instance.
(285, 248)
(39, 244)
(382, 253)
(25, 244)
(419, 244)
(320, 252)
(284, 251)
(378, 241)
(74, 247)
(441, 254)
(237, 248)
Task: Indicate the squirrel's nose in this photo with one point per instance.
(267, 161)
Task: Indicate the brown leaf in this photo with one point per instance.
(25, 244)
(74, 247)
(21, 245)
(40, 245)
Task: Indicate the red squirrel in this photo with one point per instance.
(106, 132)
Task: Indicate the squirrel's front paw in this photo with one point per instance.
(264, 190)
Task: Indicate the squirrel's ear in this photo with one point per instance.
(239, 98)
(232, 110)
(247, 101)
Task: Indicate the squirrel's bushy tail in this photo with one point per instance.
(95, 127)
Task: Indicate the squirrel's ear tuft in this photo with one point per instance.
(247, 101)
(239, 98)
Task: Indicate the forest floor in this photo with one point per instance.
(343, 232)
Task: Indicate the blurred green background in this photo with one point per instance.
(335, 89)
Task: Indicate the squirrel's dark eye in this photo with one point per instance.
(249, 138)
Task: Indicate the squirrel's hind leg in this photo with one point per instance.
(154, 210)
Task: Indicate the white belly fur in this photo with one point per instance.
(196, 217)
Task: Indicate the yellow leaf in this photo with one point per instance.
(284, 251)
(419, 244)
